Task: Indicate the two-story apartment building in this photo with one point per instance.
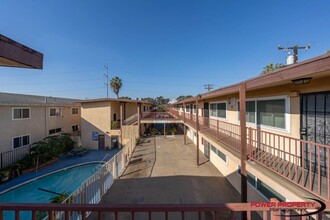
(103, 121)
(26, 119)
(287, 130)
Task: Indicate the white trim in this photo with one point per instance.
(215, 117)
(12, 144)
(12, 113)
(55, 112)
(72, 109)
(287, 113)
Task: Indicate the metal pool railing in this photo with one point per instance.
(92, 190)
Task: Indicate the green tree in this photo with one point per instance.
(116, 84)
(183, 97)
(271, 67)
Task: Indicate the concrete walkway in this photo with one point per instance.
(164, 171)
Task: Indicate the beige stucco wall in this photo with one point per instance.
(37, 126)
(229, 170)
(95, 116)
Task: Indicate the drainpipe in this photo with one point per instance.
(242, 99)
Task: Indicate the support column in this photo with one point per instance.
(164, 131)
(184, 124)
(242, 100)
(197, 129)
(139, 120)
(121, 125)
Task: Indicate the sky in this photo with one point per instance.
(157, 47)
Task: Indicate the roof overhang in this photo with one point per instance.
(14, 54)
(315, 67)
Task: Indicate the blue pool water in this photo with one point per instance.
(63, 181)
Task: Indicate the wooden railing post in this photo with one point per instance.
(250, 142)
(218, 138)
(101, 183)
(275, 213)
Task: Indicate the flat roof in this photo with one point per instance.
(314, 67)
(14, 54)
(12, 99)
(114, 100)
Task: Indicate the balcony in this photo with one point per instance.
(279, 154)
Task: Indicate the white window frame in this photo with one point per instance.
(72, 110)
(194, 110)
(13, 109)
(12, 145)
(55, 112)
(269, 98)
(216, 117)
(189, 108)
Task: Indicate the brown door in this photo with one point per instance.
(101, 142)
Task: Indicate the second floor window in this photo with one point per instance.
(21, 113)
(55, 111)
(74, 111)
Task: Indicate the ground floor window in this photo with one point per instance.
(218, 152)
(268, 192)
(55, 130)
(75, 128)
(21, 141)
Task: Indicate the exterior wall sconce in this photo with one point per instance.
(302, 81)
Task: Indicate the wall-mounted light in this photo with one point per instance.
(302, 81)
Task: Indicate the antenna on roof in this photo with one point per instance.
(208, 87)
(295, 51)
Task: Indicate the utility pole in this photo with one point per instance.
(107, 80)
(208, 87)
(295, 50)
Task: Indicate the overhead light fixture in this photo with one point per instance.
(302, 81)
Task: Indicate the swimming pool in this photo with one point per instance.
(67, 180)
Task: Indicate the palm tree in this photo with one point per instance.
(271, 67)
(115, 84)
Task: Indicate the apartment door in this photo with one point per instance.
(101, 142)
(315, 127)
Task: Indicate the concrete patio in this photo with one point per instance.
(164, 171)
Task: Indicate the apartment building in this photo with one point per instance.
(103, 121)
(287, 131)
(26, 119)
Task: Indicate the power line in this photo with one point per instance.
(208, 87)
(42, 83)
(295, 50)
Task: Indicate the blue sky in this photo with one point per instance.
(168, 47)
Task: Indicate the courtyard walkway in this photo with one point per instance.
(164, 171)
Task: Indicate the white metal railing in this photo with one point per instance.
(92, 190)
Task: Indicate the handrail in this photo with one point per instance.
(269, 210)
(302, 162)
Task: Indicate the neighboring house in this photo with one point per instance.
(101, 120)
(284, 110)
(26, 119)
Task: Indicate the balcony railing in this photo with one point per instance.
(267, 210)
(303, 163)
